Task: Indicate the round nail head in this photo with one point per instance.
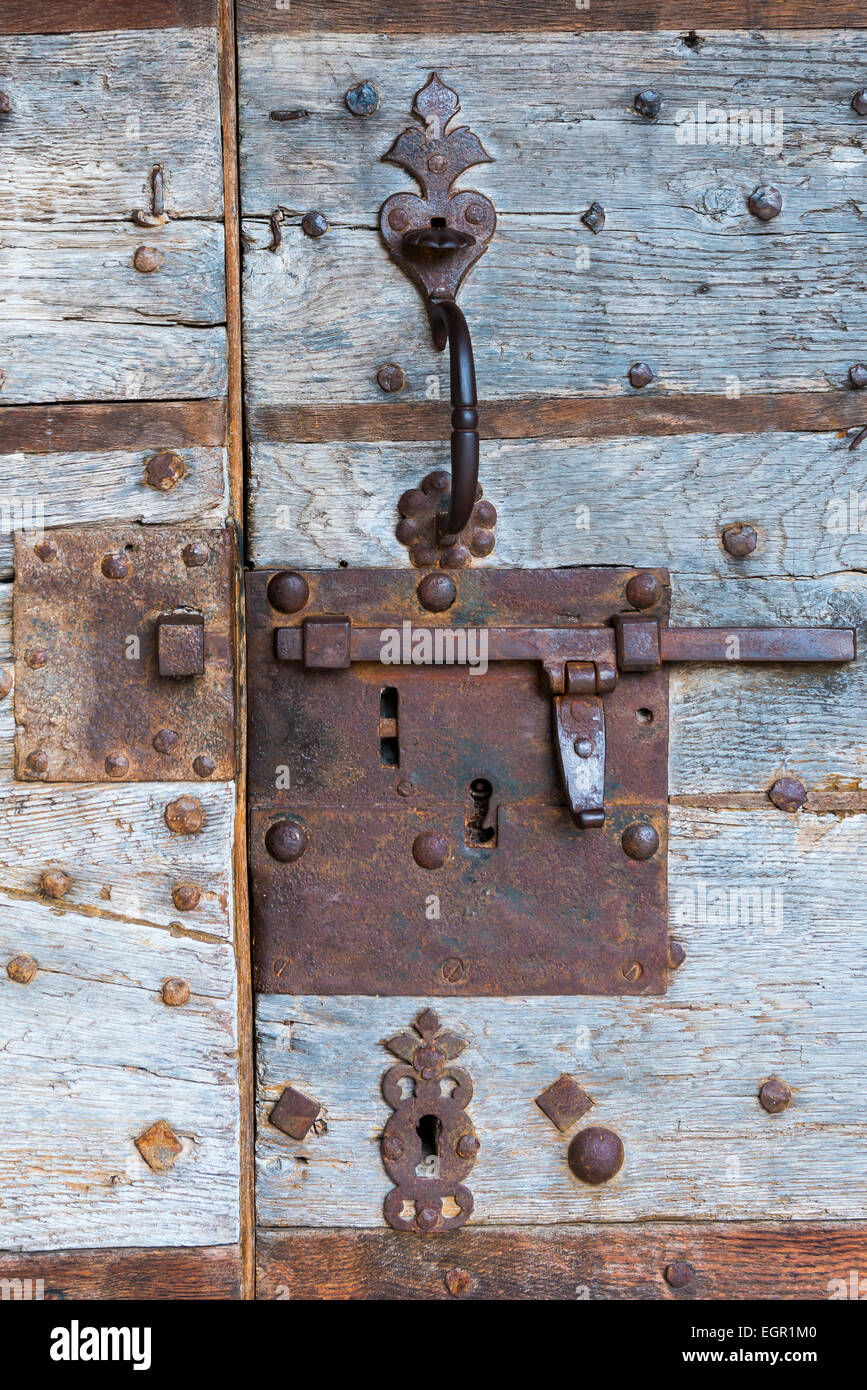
(739, 540)
(765, 202)
(436, 592)
(774, 1095)
(858, 376)
(640, 374)
(640, 841)
(314, 224)
(859, 101)
(788, 794)
(185, 816)
(391, 377)
(678, 1274)
(362, 100)
(288, 592)
(115, 566)
(430, 850)
(286, 841)
(596, 1155)
(643, 590)
(648, 104)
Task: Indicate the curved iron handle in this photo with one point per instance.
(450, 326)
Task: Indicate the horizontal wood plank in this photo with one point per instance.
(91, 1059)
(87, 273)
(93, 113)
(489, 16)
(59, 17)
(546, 417)
(783, 313)
(555, 114)
(729, 1261)
(209, 1272)
(621, 501)
(80, 489)
(124, 425)
(768, 908)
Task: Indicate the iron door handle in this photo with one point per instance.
(449, 325)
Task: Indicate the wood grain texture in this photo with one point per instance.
(80, 489)
(769, 910)
(784, 313)
(92, 113)
(59, 17)
(624, 501)
(487, 16)
(125, 425)
(732, 1261)
(86, 273)
(555, 113)
(562, 417)
(91, 1058)
(7, 668)
(209, 1272)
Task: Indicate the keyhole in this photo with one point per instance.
(428, 1130)
(438, 221)
(389, 746)
(476, 832)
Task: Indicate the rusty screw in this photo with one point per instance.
(858, 376)
(481, 541)
(774, 1096)
(45, 550)
(678, 1274)
(203, 766)
(392, 1148)
(175, 992)
(648, 104)
(186, 896)
(391, 377)
(474, 214)
(186, 816)
(37, 658)
(288, 592)
(164, 470)
(117, 764)
(314, 224)
(166, 741)
(596, 1155)
(676, 955)
(21, 969)
(640, 374)
(453, 970)
(54, 883)
(286, 841)
(859, 101)
(436, 592)
(115, 566)
(195, 554)
(594, 218)
(632, 971)
(430, 850)
(398, 220)
(640, 841)
(739, 540)
(459, 1282)
(37, 761)
(765, 202)
(147, 259)
(643, 590)
(362, 100)
(427, 1219)
(788, 794)
(467, 1146)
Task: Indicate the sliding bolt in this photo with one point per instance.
(157, 217)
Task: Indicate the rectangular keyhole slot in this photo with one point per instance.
(389, 745)
(480, 824)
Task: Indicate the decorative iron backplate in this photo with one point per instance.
(97, 612)
(363, 774)
(429, 1144)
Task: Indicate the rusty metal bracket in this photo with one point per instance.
(459, 784)
(429, 1144)
(124, 665)
(436, 240)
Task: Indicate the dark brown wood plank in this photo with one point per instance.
(503, 16)
(729, 1260)
(48, 429)
(208, 1272)
(540, 417)
(99, 16)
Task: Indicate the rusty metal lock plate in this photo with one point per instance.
(409, 828)
(111, 627)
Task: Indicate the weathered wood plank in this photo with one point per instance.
(45, 361)
(784, 312)
(151, 425)
(624, 501)
(555, 113)
(79, 489)
(7, 676)
(771, 985)
(58, 17)
(209, 1272)
(731, 1261)
(481, 17)
(87, 273)
(122, 860)
(562, 417)
(91, 1058)
(91, 114)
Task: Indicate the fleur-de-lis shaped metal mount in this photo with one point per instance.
(429, 1098)
(438, 237)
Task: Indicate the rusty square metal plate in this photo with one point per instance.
(90, 702)
(409, 833)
